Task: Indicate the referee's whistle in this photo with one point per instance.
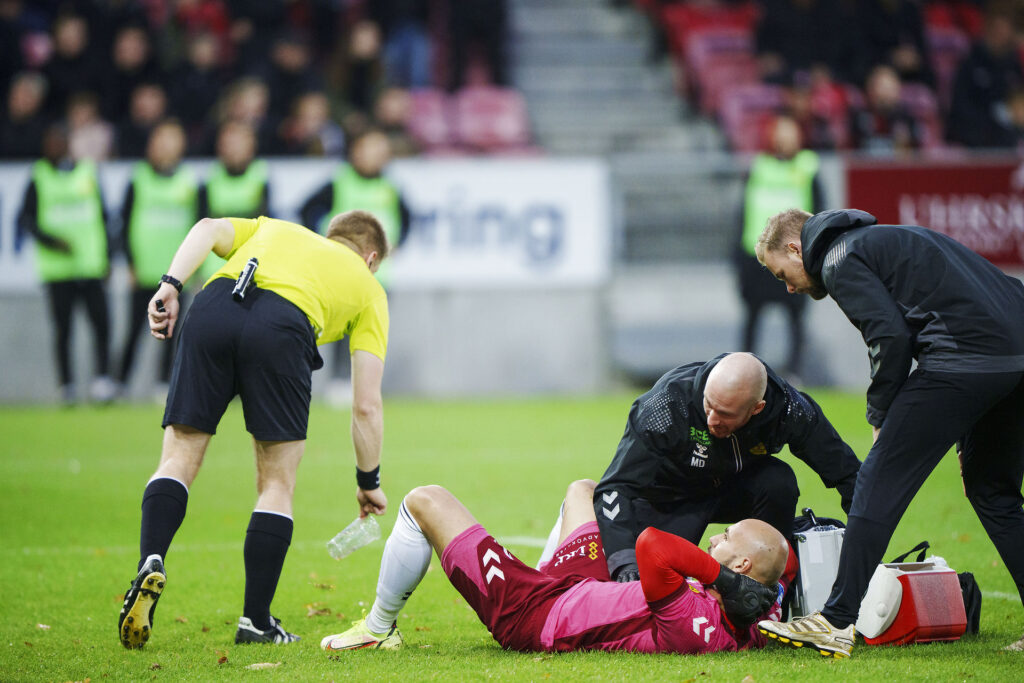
(245, 280)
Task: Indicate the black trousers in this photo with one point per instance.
(930, 413)
(62, 297)
(767, 491)
(137, 322)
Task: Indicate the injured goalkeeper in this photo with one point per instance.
(687, 601)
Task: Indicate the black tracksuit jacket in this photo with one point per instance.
(668, 455)
(915, 294)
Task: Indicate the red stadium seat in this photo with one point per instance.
(430, 119)
(680, 20)
(959, 15)
(491, 119)
(745, 112)
(716, 58)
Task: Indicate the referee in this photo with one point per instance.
(914, 294)
(260, 342)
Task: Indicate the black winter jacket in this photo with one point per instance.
(668, 455)
(915, 294)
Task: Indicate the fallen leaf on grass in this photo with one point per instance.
(340, 615)
(424, 647)
(43, 627)
(317, 609)
(155, 667)
(181, 619)
(422, 628)
(324, 586)
(748, 679)
(223, 659)
(29, 644)
(205, 629)
(263, 665)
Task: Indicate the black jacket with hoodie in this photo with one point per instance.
(668, 456)
(915, 294)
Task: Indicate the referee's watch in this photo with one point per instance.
(172, 281)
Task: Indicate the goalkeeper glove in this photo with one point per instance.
(627, 573)
(744, 600)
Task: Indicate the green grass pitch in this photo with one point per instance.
(71, 483)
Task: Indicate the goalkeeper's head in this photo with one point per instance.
(753, 548)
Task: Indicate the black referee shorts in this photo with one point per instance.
(262, 349)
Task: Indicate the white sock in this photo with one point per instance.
(405, 561)
(552, 543)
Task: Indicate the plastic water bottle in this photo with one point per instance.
(362, 531)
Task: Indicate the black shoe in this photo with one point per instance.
(135, 622)
(247, 633)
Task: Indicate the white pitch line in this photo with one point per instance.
(45, 551)
(527, 541)
(999, 595)
(36, 551)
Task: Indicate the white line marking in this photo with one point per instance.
(523, 541)
(130, 550)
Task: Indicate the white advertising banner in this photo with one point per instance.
(509, 223)
(476, 223)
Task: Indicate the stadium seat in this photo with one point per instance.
(960, 15)
(491, 119)
(716, 58)
(430, 119)
(680, 20)
(745, 112)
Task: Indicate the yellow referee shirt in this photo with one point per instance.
(327, 280)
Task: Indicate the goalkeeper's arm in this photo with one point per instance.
(666, 560)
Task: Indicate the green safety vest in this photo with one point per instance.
(69, 208)
(232, 196)
(776, 185)
(375, 195)
(163, 210)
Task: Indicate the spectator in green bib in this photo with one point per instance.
(359, 185)
(783, 177)
(237, 186)
(160, 205)
(63, 210)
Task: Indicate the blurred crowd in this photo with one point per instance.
(303, 75)
(885, 76)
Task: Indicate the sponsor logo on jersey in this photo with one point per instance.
(701, 436)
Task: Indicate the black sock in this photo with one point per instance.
(163, 509)
(266, 544)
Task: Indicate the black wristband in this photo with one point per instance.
(172, 281)
(368, 481)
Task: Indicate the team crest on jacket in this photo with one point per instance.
(700, 455)
(759, 449)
